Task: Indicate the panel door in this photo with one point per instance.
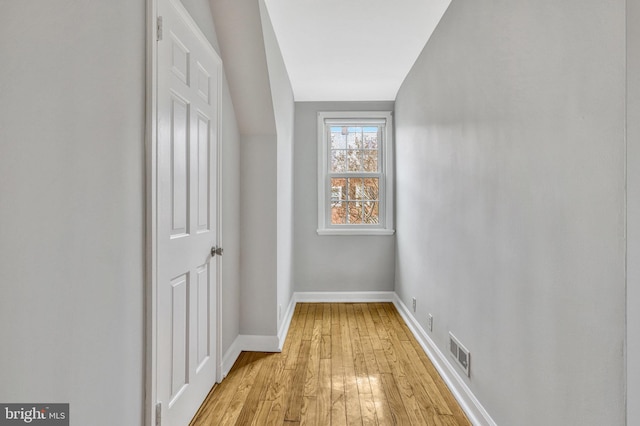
(187, 204)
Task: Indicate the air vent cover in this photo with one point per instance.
(460, 354)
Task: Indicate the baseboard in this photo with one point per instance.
(249, 343)
(230, 357)
(344, 296)
(286, 322)
(467, 400)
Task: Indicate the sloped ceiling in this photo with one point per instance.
(239, 30)
(351, 50)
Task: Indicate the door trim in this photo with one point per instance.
(151, 255)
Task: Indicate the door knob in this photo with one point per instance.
(216, 251)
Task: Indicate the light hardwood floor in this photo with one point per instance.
(342, 364)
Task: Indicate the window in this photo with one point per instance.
(355, 186)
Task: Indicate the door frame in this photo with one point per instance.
(151, 211)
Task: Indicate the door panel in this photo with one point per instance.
(179, 166)
(203, 172)
(202, 315)
(187, 145)
(179, 338)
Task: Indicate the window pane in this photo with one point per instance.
(338, 160)
(370, 212)
(355, 160)
(356, 189)
(370, 137)
(339, 213)
(354, 137)
(370, 162)
(338, 190)
(355, 212)
(371, 189)
(338, 137)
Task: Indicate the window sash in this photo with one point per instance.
(381, 120)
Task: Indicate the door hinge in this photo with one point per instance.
(159, 28)
(158, 413)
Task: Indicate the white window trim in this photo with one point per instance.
(385, 227)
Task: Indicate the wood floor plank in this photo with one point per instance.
(313, 366)
(257, 391)
(226, 390)
(383, 411)
(308, 415)
(338, 402)
(341, 364)
(377, 320)
(362, 326)
(326, 318)
(367, 410)
(237, 403)
(428, 383)
(444, 401)
(352, 399)
(323, 397)
(359, 364)
(307, 331)
(263, 410)
(396, 405)
(296, 391)
(276, 416)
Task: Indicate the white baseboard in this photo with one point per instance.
(229, 358)
(344, 296)
(249, 343)
(467, 400)
(286, 322)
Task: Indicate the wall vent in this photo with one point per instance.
(460, 354)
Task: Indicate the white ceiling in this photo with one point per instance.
(351, 50)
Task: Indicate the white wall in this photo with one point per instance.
(326, 263)
(510, 159)
(633, 212)
(72, 185)
(284, 111)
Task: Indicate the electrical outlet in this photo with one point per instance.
(430, 322)
(414, 304)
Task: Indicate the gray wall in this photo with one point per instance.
(262, 98)
(258, 235)
(230, 222)
(72, 207)
(330, 262)
(633, 212)
(283, 108)
(510, 153)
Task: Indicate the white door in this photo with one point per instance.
(187, 139)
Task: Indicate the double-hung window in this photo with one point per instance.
(355, 173)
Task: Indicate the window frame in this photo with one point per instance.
(327, 119)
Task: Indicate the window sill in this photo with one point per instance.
(356, 231)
